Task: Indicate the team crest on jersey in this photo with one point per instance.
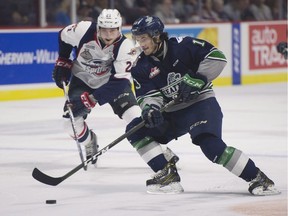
(172, 77)
(132, 52)
(98, 67)
(86, 54)
(171, 89)
(88, 46)
(154, 72)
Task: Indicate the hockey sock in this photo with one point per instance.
(82, 130)
(231, 158)
(238, 163)
(151, 152)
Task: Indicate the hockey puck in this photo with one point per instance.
(50, 201)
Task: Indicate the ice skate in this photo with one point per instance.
(166, 181)
(92, 147)
(169, 154)
(262, 186)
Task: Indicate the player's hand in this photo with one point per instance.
(62, 71)
(190, 86)
(88, 100)
(152, 116)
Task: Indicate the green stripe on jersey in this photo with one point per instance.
(217, 55)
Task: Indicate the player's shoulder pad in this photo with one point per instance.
(180, 39)
(83, 25)
(127, 48)
(76, 28)
(141, 66)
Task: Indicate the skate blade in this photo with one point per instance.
(173, 188)
(270, 191)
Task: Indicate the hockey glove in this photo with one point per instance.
(78, 107)
(283, 49)
(62, 71)
(152, 116)
(190, 86)
(88, 100)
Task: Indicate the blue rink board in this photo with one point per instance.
(29, 57)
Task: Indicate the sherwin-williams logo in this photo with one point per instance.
(40, 56)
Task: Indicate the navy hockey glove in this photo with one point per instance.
(190, 86)
(283, 49)
(152, 116)
(62, 71)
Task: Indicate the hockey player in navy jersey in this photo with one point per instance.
(100, 72)
(182, 69)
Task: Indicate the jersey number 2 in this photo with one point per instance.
(129, 66)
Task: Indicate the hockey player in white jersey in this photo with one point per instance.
(99, 73)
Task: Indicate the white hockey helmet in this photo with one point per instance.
(109, 18)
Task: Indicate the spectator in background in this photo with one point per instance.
(133, 9)
(95, 7)
(62, 17)
(164, 9)
(191, 11)
(275, 8)
(17, 18)
(238, 10)
(260, 10)
(84, 12)
(278, 9)
(207, 14)
(218, 6)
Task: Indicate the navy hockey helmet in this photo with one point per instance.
(151, 25)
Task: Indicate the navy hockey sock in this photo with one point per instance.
(157, 163)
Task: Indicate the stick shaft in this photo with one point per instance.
(53, 181)
(72, 120)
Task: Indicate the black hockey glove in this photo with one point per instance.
(190, 86)
(62, 71)
(283, 49)
(152, 116)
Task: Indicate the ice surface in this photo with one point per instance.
(31, 135)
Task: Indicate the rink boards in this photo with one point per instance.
(27, 56)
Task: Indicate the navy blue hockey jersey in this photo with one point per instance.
(157, 81)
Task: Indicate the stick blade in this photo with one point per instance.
(45, 179)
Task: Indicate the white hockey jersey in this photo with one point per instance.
(93, 63)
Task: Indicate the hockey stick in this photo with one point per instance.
(72, 120)
(53, 181)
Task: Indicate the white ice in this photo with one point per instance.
(31, 135)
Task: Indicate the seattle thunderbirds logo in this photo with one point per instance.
(171, 89)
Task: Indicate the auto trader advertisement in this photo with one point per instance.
(263, 40)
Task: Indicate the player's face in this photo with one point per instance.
(147, 44)
(109, 35)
